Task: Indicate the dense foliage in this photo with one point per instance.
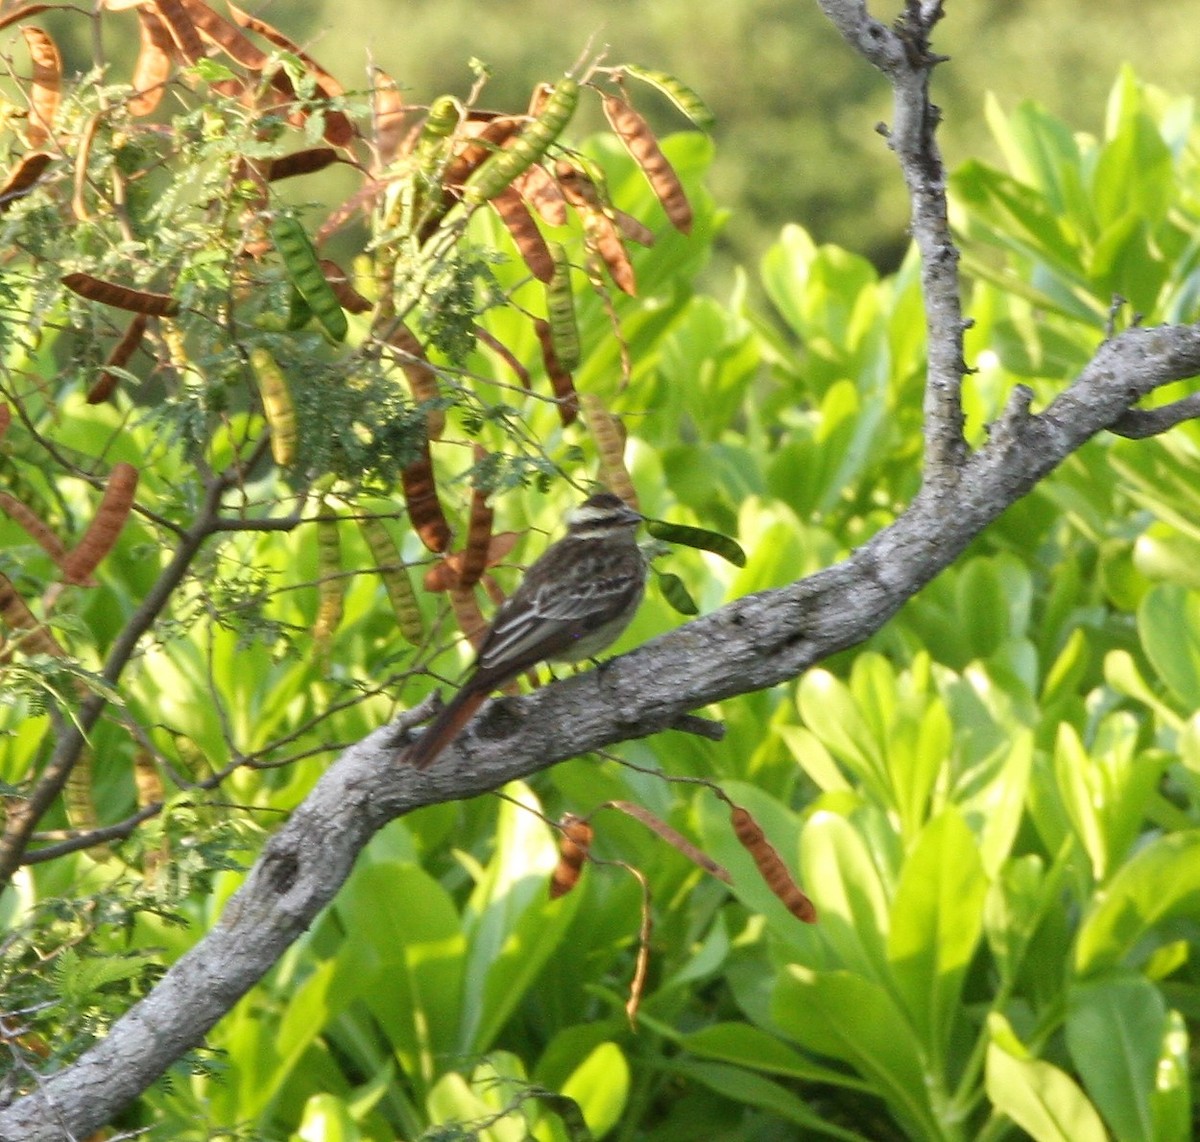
(994, 806)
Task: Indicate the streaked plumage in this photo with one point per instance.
(573, 602)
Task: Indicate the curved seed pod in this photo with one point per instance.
(479, 537)
(640, 142)
(574, 841)
(387, 117)
(677, 92)
(277, 406)
(331, 586)
(118, 358)
(560, 379)
(631, 229)
(23, 178)
(304, 269)
(307, 161)
(348, 297)
(182, 30)
(600, 231)
(560, 309)
(395, 578)
(121, 297)
(770, 866)
(537, 186)
(469, 617)
(106, 525)
(80, 805)
(484, 138)
(504, 353)
(605, 430)
(723, 545)
(33, 526)
(528, 147)
(525, 233)
(153, 67)
(424, 507)
(45, 92)
(676, 593)
(673, 837)
(227, 37)
(35, 637)
(422, 380)
(19, 14)
(338, 129)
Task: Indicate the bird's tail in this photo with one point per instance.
(445, 727)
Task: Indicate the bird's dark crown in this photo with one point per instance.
(600, 513)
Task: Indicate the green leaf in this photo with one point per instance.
(1114, 1031)
(327, 1119)
(1157, 883)
(600, 1087)
(936, 921)
(1041, 1099)
(748, 1046)
(1169, 627)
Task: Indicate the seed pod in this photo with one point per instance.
(387, 117)
(525, 233)
(222, 33)
(640, 142)
(182, 30)
(304, 271)
(5, 417)
(80, 805)
(560, 309)
(23, 178)
(424, 507)
(770, 866)
(331, 586)
(677, 92)
(121, 297)
(673, 837)
(504, 353)
(18, 14)
(277, 406)
(676, 593)
(560, 379)
(700, 537)
(479, 536)
(575, 839)
(118, 358)
(601, 233)
(307, 161)
(106, 525)
(422, 380)
(466, 610)
(45, 92)
(395, 578)
(528, 147)
(153, 67)
(35, 637)
(605, 431)
(33, 526)
(348, 297)
(538, 188)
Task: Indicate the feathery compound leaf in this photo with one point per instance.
(698, 537)
(676, 91)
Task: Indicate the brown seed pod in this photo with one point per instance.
(479, 536)
(19, 14)
(348, 297)
(35, 638)
(770, 866)
(121, 297)
(560, 379)
(525, 233)
(468, 615)
(673, 837)
(106, 525)
(600, 231)
(228, 38)
(23, 178)
(33, 526)
(606, 430)
(153, 67)
(339, 131)
(640, 142)
(504, 353)
(183, 31)
(387, 115)
(422, 380)
(537, 186)
(307, 161)
(106, 383)
(575, 839)
(5, 418)
(45, 91)
(424, 507)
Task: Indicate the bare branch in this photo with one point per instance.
(1138, 423)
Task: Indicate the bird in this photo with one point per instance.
(573, 602)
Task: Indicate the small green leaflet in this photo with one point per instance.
(700, 537)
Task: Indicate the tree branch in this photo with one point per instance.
(753, 643)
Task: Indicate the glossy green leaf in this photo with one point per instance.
(748, 1046)
(1169, 627)
(600, 1087)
